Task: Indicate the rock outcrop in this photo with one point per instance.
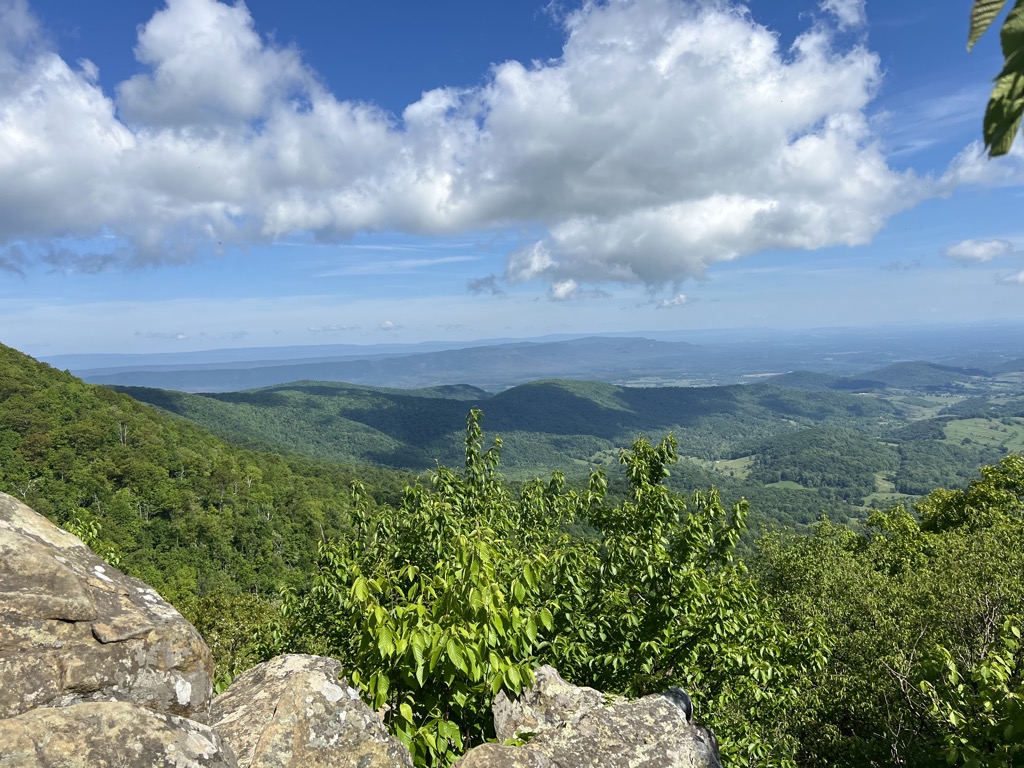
(97, 670)
(549, 702)
(292, 711)
(108, 734)
(74, 629)
(653, 732)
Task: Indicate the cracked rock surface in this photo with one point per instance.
(294, 711)
(570, 727)
(108, 734)
(74, 629)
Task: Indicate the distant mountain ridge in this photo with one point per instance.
(489, 367)
(683, 358)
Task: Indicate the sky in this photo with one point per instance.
(193, 174)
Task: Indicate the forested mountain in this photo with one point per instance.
(180, 508)
(542, 423)
(796, 451)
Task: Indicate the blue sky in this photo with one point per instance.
(193, 174)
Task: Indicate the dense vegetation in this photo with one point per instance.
(188, 512)
(795, 450)
(893, 643)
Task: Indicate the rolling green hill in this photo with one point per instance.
(921, 375)
(184, 510)
(542, 423)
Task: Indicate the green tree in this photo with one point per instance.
(1006, 104)
(980, 709)
(437, 605)
(661, 601)
(914, 604)
(464, 588)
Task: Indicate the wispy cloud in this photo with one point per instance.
(902, 266)
(332, 328)
(924, 119)
(488, 284)
(979, 250)
(393, 266)
(162, 335)
(676, 301)
(1017, 278)
(850, 13)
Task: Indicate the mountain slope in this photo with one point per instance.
(183, 509)
(545, 424)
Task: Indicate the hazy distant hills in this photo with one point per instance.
(490, 367)
(907, 375)
(657, 359)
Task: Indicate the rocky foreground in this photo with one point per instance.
(97, 670)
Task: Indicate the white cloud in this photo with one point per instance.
(669, 136)
(394, 266)
(676, 301)
(564, 290)
(209, 66)
(1016, 278)
(972, 166)
(850, 13)
(979, 250)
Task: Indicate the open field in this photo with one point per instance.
(1006, 433)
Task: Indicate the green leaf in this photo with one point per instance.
(983, 13)
(518, 591)
(455, 654)
(1003, 114)
(513, 678)
(405, 711)
(546, 619)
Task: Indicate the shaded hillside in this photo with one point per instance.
(912, 375)
(542, 424)
(805, 380)
(183, 509)
(909, 375)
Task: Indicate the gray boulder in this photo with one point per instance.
(74, 629)
(108, 734)
(571, 729)
(549, 702)
(293, 712)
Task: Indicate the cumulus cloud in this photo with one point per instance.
(667, 137)
(979, 250)
(209, 66)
